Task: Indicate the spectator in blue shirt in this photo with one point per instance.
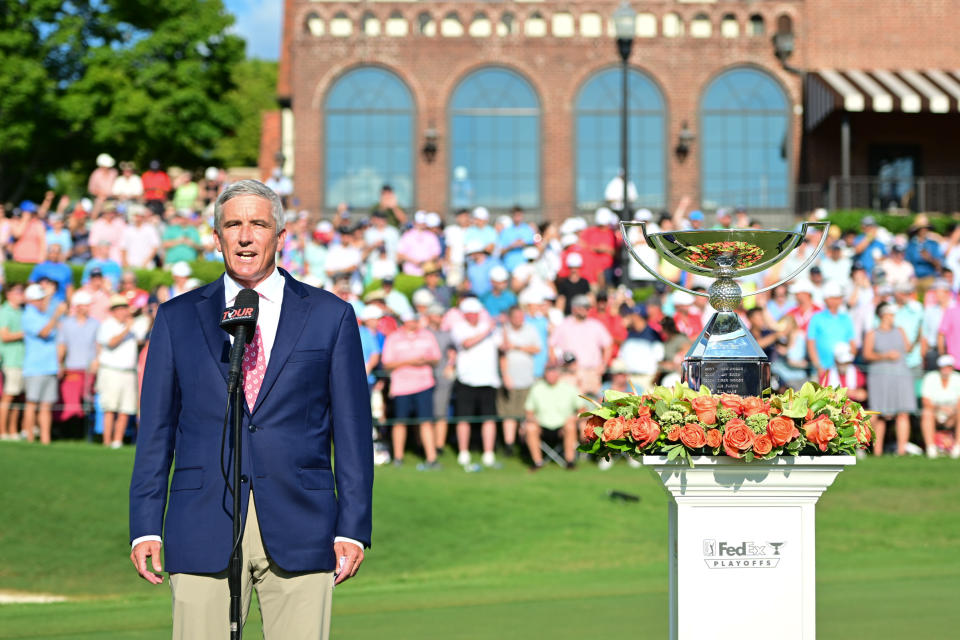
(924, 254)
(110, 269)
(481, 232)
(828, 328)
(58, 234)
(371, 340)
(479, 265)
(867, 248)
(514, 239)
(54, 269)
(499, 299)
(40, 363)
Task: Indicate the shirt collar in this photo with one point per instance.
(270, 289)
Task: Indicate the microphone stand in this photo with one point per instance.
(236, 557)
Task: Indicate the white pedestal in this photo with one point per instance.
(742, 545)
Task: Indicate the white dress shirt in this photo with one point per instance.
(268, 318)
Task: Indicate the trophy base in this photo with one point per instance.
(726, 359)
(727, 375)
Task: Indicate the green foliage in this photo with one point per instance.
(850, 220)
(133, 78)
(255, 84)
(147, 279)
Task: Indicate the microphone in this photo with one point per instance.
(240, 321)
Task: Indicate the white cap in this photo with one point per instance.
(181, 270)
(579, 224)
(433, 220)
(86, 204)
(499, 274)
(420, 217)
(568, 239)
(820, 214)
(371, 312)
(643, 215)
(801, 286)
(574, 260)
(504, 221)
(474, 246)
(470, 305)
(603, 217)
(568, 226)
(842, 353)
(682, 298)
(35, 292)
(531, 253)
(530, 295)
(212, 173)
(832, 290)
(889, 308)
(523, 272)
(407, 316)
(423, 298)
(81, 297)
(105, 160)
(945, 360)
(324, 226)
(481, 213)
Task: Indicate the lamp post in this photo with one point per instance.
(624, 26)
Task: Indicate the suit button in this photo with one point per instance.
(253, 428)
(244, 479)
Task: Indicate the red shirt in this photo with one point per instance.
(588, 271)
(156, 185)
(614, 325)
(599, 237)
(689, 324)
(803, 317)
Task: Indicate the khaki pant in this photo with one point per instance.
(293, 605)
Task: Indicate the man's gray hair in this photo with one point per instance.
(248, 188)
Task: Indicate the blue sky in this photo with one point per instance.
(259, 23)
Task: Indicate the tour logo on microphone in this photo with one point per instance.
(238, 314)
(741, 554)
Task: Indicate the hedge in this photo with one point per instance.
(851, 220)
(147, 279)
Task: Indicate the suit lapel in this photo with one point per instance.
(293, 318)
(209, 308)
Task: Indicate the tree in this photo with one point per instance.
(255, 92)
(135, 78)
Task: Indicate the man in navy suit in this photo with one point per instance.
(307, 518)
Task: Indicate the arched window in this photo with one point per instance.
(591, 25)
(341, 26)
(481, 27)
(426, 25)
(598, 138)
(729, 27)
(700, 27)
(370, 24)
(315, 25)
(495, 141)
(368, 133)
(744, 128)
(507, 25)
(757, 27)
(646, 25)
(672, 25)
(397, 26)
(451, 27)
(563, 25)
(535, 26)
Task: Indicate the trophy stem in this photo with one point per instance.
(726, 358)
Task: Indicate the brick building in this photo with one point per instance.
(777, 105)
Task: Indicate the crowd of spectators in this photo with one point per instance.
(492, 323)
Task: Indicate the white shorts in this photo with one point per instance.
(118, 390)
(12, 381)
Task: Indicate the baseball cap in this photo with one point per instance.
(832, 290)
(643, 215)
(696, 215)
(420, 217)
(603, 216)
(580, 301)
(568, 239)
(842, 353)
(35, 292)
(407, 316)
(499, 274)
(28, 205)
(181, 270)
(371, 312)
(474, 246)
(481, 213)
(436, 309)
(470, 305)
(433, 220)
(682, 298)
(422, 298)
(431, 266)
(96, 272)
(105, 160)
(801, 286)
(118, 300)
(81, 297)
(945, 360)
(505, 221)
(868, 221)
(531, 253)
(574, 260)
(618, 366)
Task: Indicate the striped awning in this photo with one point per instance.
(880, 91)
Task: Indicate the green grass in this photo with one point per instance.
(496, 554)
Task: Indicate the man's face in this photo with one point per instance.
(833, 303)
(248, 239)
(121, 313)
(54, 253)
(129, 281)
(82, 309)
(101, 251)
(499, 286)
(803, 298)
(516, 318)
(943, 296)
(580, 312)
(15, 296)
(518, 217)
(480, 222)
(472, 318)
(552, 375)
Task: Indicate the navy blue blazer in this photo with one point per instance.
(314, 396)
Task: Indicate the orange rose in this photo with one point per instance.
(820, 431)
(674, 434)
(762, 446)
(589, 435)
(692, 436)
(737, 438)
(706, 409)
(862, 432)
(809, 415)
(644, 431)
(714, 438)
(731, 401)
(753, 405)
(613, 429)
(781, 431)
(643, 412)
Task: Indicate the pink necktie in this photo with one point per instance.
(254, 367)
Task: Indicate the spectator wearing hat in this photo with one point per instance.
(519, 343)
(422, 300)
(924, 253)
(551, 414)
(409, 354)
(346, 256)
(54, 269)
(156, 187)
(861, 302)
(642, 351)
(128, 187)
(118, 337)
(479, 265)
(185, 192)
(513, 239)
(868, 247)
(101, 260)
(910, 318)
(696, 220)
(599, 243)
(40, 364)
(58, 234)
(181, 240)
(444, 374)
(889, 380)
(11, 356)
(940, 397)
(573, 284)
(381, 237)
(181, 273)
(685, 315)
(396, 301)
(845, 374)
(108, 230)
(140, 242)
(478, 378)
(418, 246)
(804, 307)
(613, 192)
(387, 205)
(433, 283)
(500, 298)
(77, 356)
(536, 312)
(827, 329)
(640, 277)
(724, 219)
(835, 265)
(896, 268)
(100, 183)
(608, 313)
(454, 238)
(371, 340)
(387, 323)
(588, 340)
(942, 299)
(28, 233)
(100, 291)
(480, 233)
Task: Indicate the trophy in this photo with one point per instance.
(725, 357)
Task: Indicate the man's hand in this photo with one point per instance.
(139, 559)
(349, 557)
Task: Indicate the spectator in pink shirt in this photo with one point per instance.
(948, 338)
(109, 229)
(588, 340)
(409, 354)
(417, 246)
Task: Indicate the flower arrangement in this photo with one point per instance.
(745, 254)
(681, 423)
